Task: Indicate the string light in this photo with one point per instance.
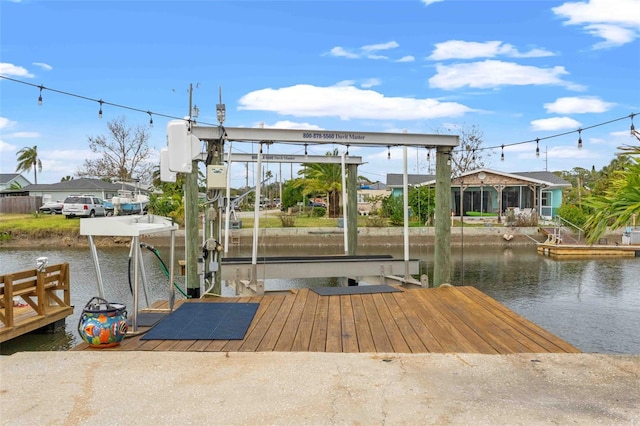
(579, 138)
(347, 153)
(305, 150)
(537, 147)
(473, 154)
(502, 153)
(100, 111)
(101, 102)
(428, 155)
(150, 119)
(388, 152)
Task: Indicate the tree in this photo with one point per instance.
(323, 179)
(620, 203)
(124, 154)
(291, 193)
(422, 200)
(469, 155)
(66, 178)
(27, 159)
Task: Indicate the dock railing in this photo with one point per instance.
(45, 290)
(560, 222)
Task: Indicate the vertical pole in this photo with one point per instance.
(256, 226)
(227, 211)
(191, 223)
(136, 267)
(172, 261)
(405, 205)
(352, 211)
(442, 252)
(344, 204)
(96, 265)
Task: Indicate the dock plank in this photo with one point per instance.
(442, 320)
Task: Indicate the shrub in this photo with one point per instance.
(572, 213)
(375, 222)
(288, 221)
(318, 212)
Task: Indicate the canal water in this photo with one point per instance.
(593, 304)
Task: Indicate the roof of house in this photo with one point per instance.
(394, 180)
(79, 185)
(544, 176)
(541, 178)
(6, 178)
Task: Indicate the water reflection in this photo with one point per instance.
(592, 303)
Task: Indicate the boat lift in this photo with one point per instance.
(185, 139)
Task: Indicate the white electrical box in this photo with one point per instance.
(216, 176)
(166, 175)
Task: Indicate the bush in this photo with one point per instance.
(318, 212)
(572, 213)
(375, 222)
(288, 221)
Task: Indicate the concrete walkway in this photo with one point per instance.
(108, 387)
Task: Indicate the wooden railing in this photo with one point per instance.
(45, 291)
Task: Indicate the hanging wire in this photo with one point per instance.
(103, 102)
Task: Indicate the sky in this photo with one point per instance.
(516, 70)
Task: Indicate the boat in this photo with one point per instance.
(127, 202)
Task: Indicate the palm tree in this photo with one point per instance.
(621, 201)
(323, 178)
(27, 159)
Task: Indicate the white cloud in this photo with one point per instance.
(24, 135)
(371, 82)
(555, 123)
(5, 123)
(380, 46)
(428, 2)
(616, 21)
(44, 66)
(341, 52)
(459, 49)
(369, 51)
(346, 102)
(6, 147)
(408, 58)
(14, 70)
(492, 73)
(287, 124)
(578, 105)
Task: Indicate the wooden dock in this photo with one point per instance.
(441, 320)
(567, 251)
(43, 296)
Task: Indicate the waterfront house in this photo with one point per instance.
(492, 192)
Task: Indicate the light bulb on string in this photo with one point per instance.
(150, 119)
(502, 153)
(633, 129)
(428, 155)
(537, 147)
(305, 151)
(100, 110)
(473, 154)
(347, 153)
(579, 138)
(40, 97)
(388, 152)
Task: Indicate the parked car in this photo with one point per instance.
(51, 207)
(83, 206)
(317, 204)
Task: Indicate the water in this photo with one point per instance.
(593, 304)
